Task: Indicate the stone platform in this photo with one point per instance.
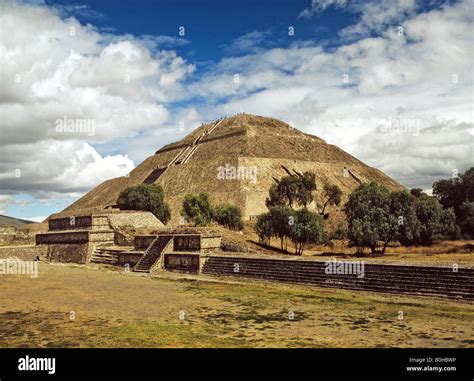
(76, 238)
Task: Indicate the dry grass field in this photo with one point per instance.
(83, 306)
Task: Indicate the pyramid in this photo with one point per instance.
(235, 160)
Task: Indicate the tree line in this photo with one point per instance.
(196, 208)
(374, 215)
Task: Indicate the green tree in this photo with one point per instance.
(197, 209)
(374, 214)
(369, 217)
(403, 207)
(448, 224)
(455, 193)
(449, 192)
(433, 220)
(148, 197)
(292, 191)
(468, 184)
(229, 216)
(417, 192)
(281, 218)
(466, 216)
(264, 228)
(333, 196)
(307, 227)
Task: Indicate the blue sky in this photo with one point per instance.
(389, 82)
(212, 25)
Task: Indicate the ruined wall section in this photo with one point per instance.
(68, 252)
(135, 219)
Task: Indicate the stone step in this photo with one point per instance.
(117, 250)
(367, 274)
(382, 275)
(104, 255)
(383, 278)
(399, 284)
(466, 294)
(141, 270)
(110, 261)
(446, 272)
(152, 254)
(303, 262)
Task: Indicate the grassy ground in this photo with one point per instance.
(76, 306)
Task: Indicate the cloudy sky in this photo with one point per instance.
(89, 89)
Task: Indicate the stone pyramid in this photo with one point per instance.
(235, 160)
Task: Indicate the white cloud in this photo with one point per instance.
(318, 6)
(68, 167)
(377, 15)
(5, 202)
(423, 77)
(249, 42)
(8, 201)
(55, 69)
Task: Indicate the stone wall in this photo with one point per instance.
(130, 258)
(24, 253)
(100, 222)
(188, 242)
(428, 280)
(101, 236)
(184, 263)
(134, 218)
(123, 239)
(62, 238)
(7, 238)
(8, 230)
(68, 253)
(210, 243)
(183, 242)
(141, 242)
(7, 233)
(68, 223)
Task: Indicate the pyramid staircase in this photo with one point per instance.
(190, 150)
(198, 140)
(214, 126)
(152, 254)
(108, 254)
(182, 157)
(416, 280)
(179, 158)
(154, 175)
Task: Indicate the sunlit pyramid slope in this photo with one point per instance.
(236, 160)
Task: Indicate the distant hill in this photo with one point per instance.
(16, 222)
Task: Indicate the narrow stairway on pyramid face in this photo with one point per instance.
(198, 141)
(182, 157)
(154, 175)
(185, 154)
(177, 157)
